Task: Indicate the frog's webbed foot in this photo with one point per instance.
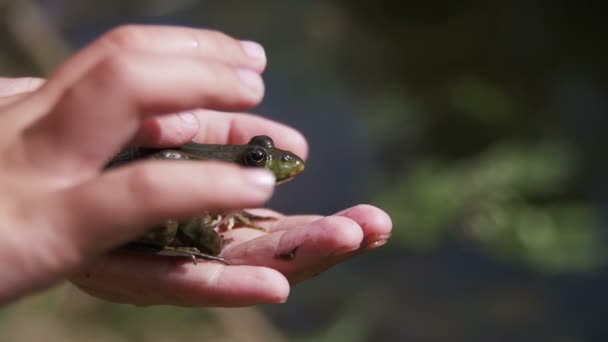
(242, 219)
(226, 241)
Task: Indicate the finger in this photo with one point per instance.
(145, 39)
(209, 44)
(215, 127)
(15, 89)
(167, 131)
(375, 223)
(300, 252)
(155, 39)
(121, 203)
(101, 112)
(16, 86)
(292, 232)
(376, 226)
(237, 128)
(10, 99)
(289, 222)
(282, 223)
(144, 280)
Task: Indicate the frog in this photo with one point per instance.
(201, 237)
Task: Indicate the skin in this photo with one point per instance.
(60, 215)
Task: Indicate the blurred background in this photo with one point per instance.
(479, 127)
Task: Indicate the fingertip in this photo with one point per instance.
(284, 136)
(188, 124)
(373, 220)
(297, 139)
(339, 234)
(170, 130)
(256, 52)
(383, 220)
(253, 86)
(194, 185)
(275, 287)
(239, 285)
(154, 280)
(261, 178)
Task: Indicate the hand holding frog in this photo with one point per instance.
(59, 214)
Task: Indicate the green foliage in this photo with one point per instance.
(354, 324)
(501, 199)
(482, 100)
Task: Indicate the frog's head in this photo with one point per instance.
(260, 152)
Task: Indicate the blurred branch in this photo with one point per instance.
(34, 31)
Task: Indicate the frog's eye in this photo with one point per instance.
(255, 156)
(262, 140)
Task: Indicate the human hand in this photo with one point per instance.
(67, 213)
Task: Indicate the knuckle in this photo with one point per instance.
(222, 43)
(115, 70)
(144, 181)
(125, 36)
(224, 85)
(229, 84)
(218, 37)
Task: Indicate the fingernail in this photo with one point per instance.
(375, 241)
(251, 79)
(260, 178)
(254, 50)
(188, 119)
(374, 244)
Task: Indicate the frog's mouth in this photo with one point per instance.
(294, 172)
(285, 180)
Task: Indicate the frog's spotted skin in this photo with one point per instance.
(198, 237)
(259, 152)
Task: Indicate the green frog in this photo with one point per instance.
(199, 237)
